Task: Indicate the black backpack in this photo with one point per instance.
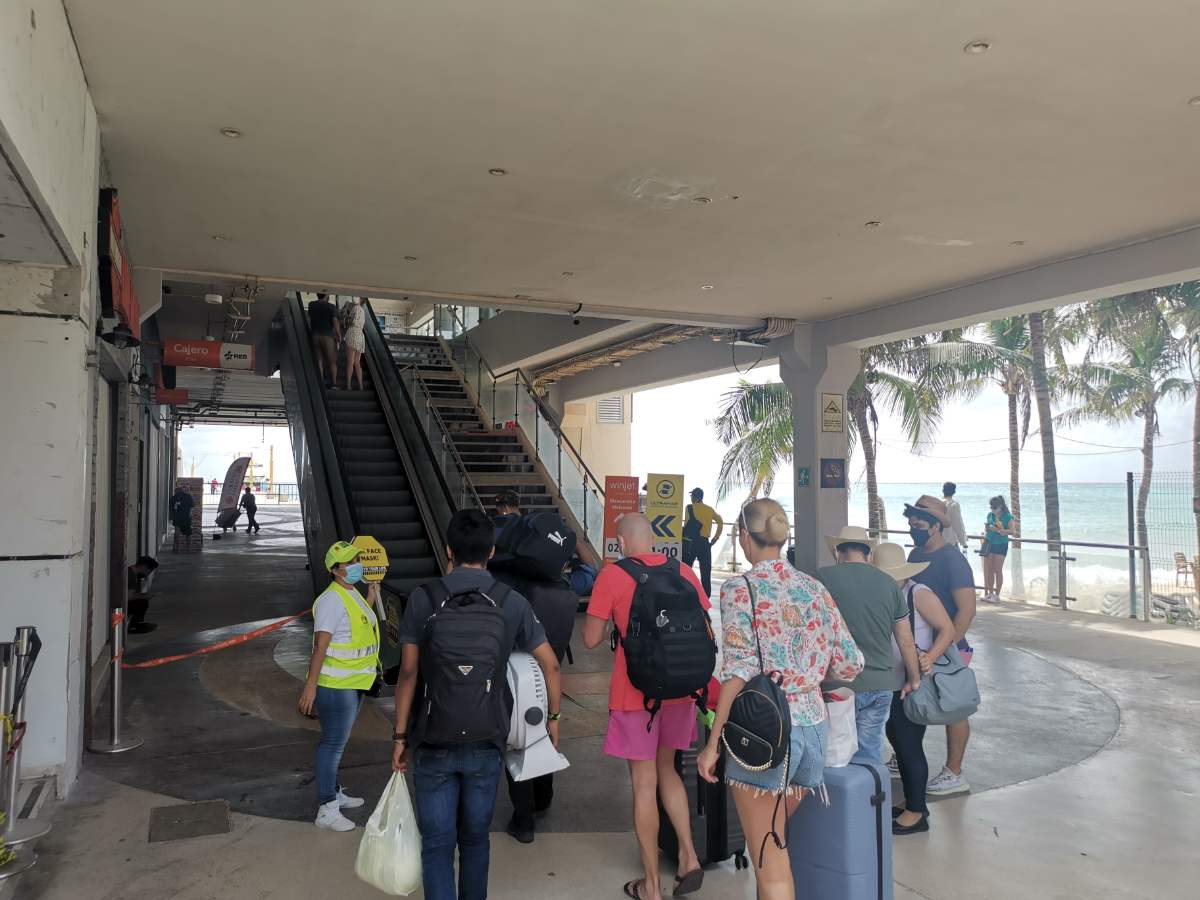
(536, 546)
(464, 654)
(670, 651)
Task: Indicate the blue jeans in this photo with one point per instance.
(456, 795)
(871, 709)
(337, 708)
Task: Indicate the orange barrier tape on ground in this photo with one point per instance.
(220, 645)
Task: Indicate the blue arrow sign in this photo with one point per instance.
(661, 525)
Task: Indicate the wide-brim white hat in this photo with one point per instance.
(890, 559)
(850, 534)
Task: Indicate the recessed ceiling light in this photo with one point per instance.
(219, 237)
(717, 338)
(410, 259)
(231, 132)
(616, 364)
(707, 287)
(977, 47)
(826, 299)
(1194, 101)
(497, 171)
(1017, 243)
(522, 297)
(872, 224)
(702, 199)
(568, 274)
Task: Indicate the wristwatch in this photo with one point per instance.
(397, 736)
(553, 717)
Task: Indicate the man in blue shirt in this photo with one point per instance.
(949, 576)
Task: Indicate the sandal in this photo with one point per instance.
(688, 883)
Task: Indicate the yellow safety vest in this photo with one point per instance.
(352, 666)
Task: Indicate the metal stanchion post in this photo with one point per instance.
(1147, 585)
(13, 860)
(115, 743)
(18, 831)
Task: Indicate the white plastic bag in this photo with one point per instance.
(843, 733)
(389, 854)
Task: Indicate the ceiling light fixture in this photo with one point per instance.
(1194, 101)
(498, 172)
(977, 47)
(872, 224)
(1017, 243)
(410, 258)
(231, 132)
(568, 274)
(702, 200)
(707, 287)
(121, 337)
(219, 237)
(214, 299)
(616, 364)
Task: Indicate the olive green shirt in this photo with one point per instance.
(871, 603)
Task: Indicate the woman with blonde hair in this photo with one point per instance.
(776, 620)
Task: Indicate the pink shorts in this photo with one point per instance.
(673, 727)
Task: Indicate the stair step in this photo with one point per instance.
(367, 501)
(359, 470)
(505, 479)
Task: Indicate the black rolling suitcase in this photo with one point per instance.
(716, 831)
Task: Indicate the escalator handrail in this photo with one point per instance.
(456, 458)
(389, 389)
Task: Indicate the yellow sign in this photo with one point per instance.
(373, 558)
(664, 509)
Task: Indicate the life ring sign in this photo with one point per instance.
(373, 557)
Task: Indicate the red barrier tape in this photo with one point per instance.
(220, 645)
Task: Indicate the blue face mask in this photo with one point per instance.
(354, 572)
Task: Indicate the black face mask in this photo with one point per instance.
(919, 536)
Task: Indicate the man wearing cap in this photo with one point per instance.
(875, 611)
(344, 665)
(949, 576)
(698, 537)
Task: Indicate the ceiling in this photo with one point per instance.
(368, 130)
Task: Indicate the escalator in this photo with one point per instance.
(363, 464)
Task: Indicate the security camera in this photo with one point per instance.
(576, 320)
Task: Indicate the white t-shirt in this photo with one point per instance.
(329, 614)
(923, 634)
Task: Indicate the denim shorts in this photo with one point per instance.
(806, 765)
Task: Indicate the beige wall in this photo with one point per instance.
(606, 448)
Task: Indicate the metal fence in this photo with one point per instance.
(1172, 528)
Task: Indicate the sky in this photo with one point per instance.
(207, 450)
(672, 434)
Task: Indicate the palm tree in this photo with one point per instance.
(755, 420)
(1041, 393)
(1183, 308)
(1142, 372)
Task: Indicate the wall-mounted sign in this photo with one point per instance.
(833, 410)
(207, 354)
(117, 297)
(803, 476)
(833, 473)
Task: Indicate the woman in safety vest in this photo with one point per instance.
(345, 661)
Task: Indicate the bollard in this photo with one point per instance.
(13, 860)
(115, 743)
(18, 831)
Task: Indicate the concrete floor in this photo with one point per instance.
(1084, 764)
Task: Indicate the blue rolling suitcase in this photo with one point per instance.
(844, 851)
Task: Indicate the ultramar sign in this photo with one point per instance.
(373, 557)
(664, 509)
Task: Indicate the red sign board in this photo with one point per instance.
(170, 397)
(620, 497)
(117, 297)
(207, 354)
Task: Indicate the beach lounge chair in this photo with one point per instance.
(1185, 572)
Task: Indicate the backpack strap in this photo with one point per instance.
(438, 594)
(497, 593)
(634, 568)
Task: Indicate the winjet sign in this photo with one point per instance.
(207, 354)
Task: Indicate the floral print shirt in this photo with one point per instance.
(803, 635)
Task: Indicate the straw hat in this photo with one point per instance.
(850, 534)
(890, 559)
(932, 506)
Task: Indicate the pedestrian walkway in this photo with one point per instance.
(1083, 763)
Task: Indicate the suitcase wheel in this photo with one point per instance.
(739, 861)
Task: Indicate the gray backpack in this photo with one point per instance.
(948, 694)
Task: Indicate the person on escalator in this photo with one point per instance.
(343, 668)
(326, 333)
(354, 317)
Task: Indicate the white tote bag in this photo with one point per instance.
(843, 733)
(389, 854)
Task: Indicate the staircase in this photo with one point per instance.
(495, 460)
(379, 492)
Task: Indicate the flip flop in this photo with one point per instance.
(633, 888)
(688, 883)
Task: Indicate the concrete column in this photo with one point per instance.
(810, 370)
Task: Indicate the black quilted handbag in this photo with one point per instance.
(758, 732)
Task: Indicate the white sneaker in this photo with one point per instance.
(344, 801)
(330, 818)
(893, 766)
(947, 783)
